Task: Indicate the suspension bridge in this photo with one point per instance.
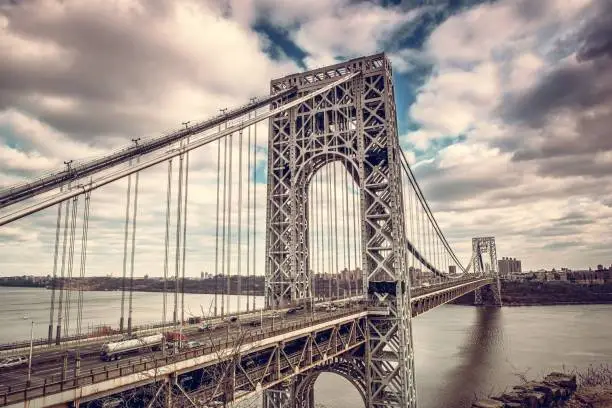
(350, 250)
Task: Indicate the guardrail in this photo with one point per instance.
(93, 337)
(24, 392)
(7, 347)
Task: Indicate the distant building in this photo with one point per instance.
(507, 266)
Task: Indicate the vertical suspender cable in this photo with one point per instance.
(254, 203)
(184, 234)
(125, 253)
(67, 305)
(229, 224)
(134, 214)
(177, 255)
(223, 225)
(54, 279)
(83, 261)
(347, 242)
(316, 250)
(58, 334)
(330, 258)
(322, 274)
(418, 236)
(335, 186)
(167, 247)
(217, 226)
(411, 230)
(248, 223)
(312, 256)
(357, 252)
(239, 283)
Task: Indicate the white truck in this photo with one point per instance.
(114, 351)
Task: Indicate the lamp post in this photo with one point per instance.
(30, 358)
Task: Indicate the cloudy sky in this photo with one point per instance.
(504, 109)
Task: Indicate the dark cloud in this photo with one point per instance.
(577, 165)
(113, 65)
(580, 89)
(531, 10)
(574, 218)
(563, 245)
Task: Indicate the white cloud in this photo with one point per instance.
(86, 77)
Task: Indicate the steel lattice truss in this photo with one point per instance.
(354, 123)
(486, 246)
(237, 375)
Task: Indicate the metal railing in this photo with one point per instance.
(50, 386)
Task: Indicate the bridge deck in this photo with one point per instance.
(98, 378)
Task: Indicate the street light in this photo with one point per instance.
(187, 124)
(30, 358)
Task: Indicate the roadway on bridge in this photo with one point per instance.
(49, 364)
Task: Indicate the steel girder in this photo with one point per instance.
(486, 246)
(354, 123)
(271, 369)
(347, 366)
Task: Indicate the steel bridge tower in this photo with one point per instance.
(483, 246)
(353, 123)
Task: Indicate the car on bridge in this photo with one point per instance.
(193, 344)
(11, 362)
(205, 327)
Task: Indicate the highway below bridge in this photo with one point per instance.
(261, 356)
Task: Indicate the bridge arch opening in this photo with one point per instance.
(334, 226)
(325, 381)
(326, 390)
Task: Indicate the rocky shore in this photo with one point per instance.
(592, 390)
(553, 391)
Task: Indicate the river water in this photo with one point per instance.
(460, 351)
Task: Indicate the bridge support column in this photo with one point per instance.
(280, 397)
(478, 297)
(484, 256)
